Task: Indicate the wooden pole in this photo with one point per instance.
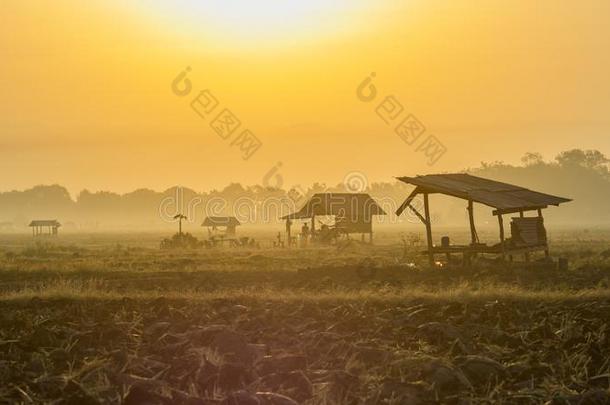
(474, 238)
(473, 231)
(428, 229)
(546, 242)
(288, 236)
(501, 224)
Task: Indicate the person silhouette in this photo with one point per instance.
(304, 234)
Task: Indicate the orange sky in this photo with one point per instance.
(86, 97)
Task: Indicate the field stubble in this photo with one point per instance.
(108, 324)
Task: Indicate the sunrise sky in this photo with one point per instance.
(86, 99)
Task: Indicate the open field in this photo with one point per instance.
(111, 318)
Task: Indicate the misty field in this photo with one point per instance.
(88, 319)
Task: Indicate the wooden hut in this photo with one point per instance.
(224, 225)
(527, 234)
(352, 212)
(41, 227)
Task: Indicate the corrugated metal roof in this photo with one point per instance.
(502, 196)
(44, 222)
(220, 221)
(344, 204)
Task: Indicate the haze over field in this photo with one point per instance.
(581, 175)
(87, 102)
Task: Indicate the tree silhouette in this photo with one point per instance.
(180, 217)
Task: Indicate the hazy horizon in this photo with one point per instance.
(273, 182)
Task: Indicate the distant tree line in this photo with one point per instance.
(583, 175)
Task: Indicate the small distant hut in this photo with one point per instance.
(527, 234)
(224, 225)
(44, 227)
(352, 212)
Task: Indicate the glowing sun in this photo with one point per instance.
(258, 21)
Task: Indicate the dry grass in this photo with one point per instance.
(99, 289)
(109, 324)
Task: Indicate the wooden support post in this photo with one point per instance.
(422, 219)
(371, 237)
(546, 248)
(428, 229)
(474, 237)
(406, 203)
(501, 224)
(288, 236)
(473, 231)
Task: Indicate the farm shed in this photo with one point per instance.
(44, 227)
(229, 223)
(352, 212)
(527, 233)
